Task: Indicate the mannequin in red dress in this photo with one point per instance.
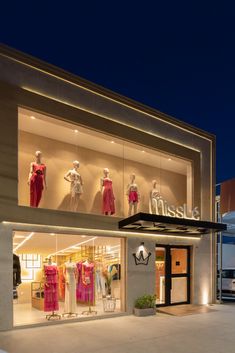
(133, 195)
(37, 179)
(108, 206)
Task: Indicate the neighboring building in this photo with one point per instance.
(43, 108)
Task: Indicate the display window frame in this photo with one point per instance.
(188, 155)
(116, 308)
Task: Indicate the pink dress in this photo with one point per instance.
(51, 296)
(108, 197)
(85, 286)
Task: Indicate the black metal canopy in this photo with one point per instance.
(151, 223)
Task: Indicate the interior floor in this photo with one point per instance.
(25, 314)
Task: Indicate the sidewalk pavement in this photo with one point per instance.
(212, 332)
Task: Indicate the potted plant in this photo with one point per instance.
(145, 305)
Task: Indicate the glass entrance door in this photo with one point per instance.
(172, 275)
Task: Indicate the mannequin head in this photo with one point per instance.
(154, 183)
(132, 177)
(106, 172)
(76, 164)
(38, 155)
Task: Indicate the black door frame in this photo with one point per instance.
(169, 275)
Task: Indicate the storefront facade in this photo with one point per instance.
(131, 159)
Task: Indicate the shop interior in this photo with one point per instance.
(133, 172)
(66, 276)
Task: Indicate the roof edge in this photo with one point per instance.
(96, 88)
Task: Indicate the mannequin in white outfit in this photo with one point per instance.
(154, 198)
(70, 274)
(73, 177)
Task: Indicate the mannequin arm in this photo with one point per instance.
(66, 177)
(30, 172)
(81, 180)
(45, 178)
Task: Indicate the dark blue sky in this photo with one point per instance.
(176, 56)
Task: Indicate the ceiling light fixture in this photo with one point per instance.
(112, 141)
(25, 239)
(76, 131)
(69, 248)
(32, 117)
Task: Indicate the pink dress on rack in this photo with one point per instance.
(85, 286)
(108, 205)
(51, 296)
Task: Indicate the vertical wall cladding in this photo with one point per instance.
(6, 278)
(140, 278)
(8, 150)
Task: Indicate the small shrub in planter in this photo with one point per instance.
(145, 305)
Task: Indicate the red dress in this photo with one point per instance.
(108, 197)
(36, 184)
(51, 294)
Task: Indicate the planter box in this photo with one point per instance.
(144, 312)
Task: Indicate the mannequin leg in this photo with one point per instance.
(130, 208)
(135, 207)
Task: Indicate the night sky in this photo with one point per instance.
(177, 56)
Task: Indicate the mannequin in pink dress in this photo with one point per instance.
(85, 285)
(133, 195)
(37, 179)
(51, 290)
(108, 206)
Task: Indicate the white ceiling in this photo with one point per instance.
(49, 243)
(62, 131)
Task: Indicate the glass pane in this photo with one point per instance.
(179, 261)
(178, 289)
(160, 275)
(73, 275)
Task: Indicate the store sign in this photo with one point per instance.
(161, 207)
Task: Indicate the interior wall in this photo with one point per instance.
(58, 157)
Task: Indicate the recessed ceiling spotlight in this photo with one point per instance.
(142, 151)
(76, 131)
(32, 117)
(83, 236)
(112, 141)
(169, 159)
(52, 233)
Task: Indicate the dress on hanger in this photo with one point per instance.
(108, 197)
(36, 184)
(51, 296)
(70, 288)
(61, 283)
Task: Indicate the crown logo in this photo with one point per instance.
(140, 257)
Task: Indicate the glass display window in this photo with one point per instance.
(63, 166)
(65, 276)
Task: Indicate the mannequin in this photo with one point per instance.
(70, 275)
(73, 177)
(37, 179)
(51, 295)
(154, 196)
(133, 195)
(106, 184)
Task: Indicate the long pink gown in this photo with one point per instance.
(108, 205)
(51, 295)
(85, 286)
